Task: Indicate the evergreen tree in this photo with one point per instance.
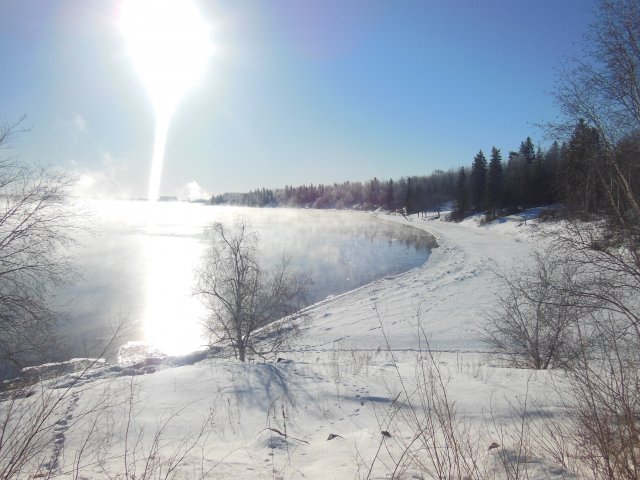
(462, 198)
(528, 153)
(373, 192)
(527, 150)
(514, 180)
(552, 160)
(495, 181)
(409, 199)
(478, 181)
(580, 180)
(538, 179)
(388, 195)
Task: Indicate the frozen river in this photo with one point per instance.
(138, 265)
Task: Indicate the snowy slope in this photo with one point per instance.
(448, 293)
(356, 372)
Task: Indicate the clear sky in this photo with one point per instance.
(297, 91)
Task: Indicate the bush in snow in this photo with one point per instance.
(533, 324)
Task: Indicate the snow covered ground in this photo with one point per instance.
(348, 402)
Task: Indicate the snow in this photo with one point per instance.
(355, 372)
(446, 295)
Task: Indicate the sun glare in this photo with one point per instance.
(168, 41)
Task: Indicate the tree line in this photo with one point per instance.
(414, 193)
(573, 174)
(568, 173)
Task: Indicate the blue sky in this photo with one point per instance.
(298, 91)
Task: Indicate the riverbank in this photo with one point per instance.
(138, 266)
(340, 405)
(446, 295)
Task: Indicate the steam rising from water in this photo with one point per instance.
(141, 266)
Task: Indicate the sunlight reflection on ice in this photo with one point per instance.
(170, 308)
(141, 264)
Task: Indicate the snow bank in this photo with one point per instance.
(322, 413)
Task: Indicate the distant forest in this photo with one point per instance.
(568, 173)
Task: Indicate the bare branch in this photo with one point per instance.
(253, 310)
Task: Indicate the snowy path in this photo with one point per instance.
(448, 293)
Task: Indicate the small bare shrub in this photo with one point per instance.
(604, 402)
(441, 443)
(533, 322)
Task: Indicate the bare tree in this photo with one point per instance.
(604, 403)
(534, 320)
(36, 224)
(603, 87)
(251, 309)
(604, 384)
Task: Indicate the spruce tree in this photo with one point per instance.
(495, 182)
(527, 150)
(409, 198)
(388, 195)
(478, 181)
(552, 162)
(528, 153)
(462, 203)
(580, 178)
(538, 179)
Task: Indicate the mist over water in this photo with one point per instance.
(139, 265)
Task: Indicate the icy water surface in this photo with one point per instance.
(138, 267)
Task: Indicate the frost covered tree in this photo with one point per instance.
(251, 309)
(36, 225)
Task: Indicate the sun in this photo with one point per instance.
(168, 41)
(169, 44)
